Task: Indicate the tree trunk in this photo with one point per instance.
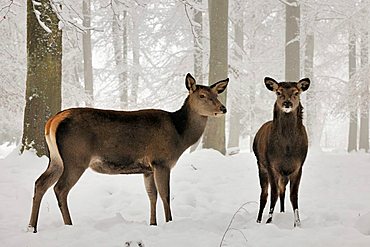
(364, 107)
(124, 75)
(292, 43)
(234, 130)
(314, 123)
(120, 47)
(136, 69)
(87, 52)
(214, 136)
(198, 45)
(198, 53)
(352, 135)
(44, 73)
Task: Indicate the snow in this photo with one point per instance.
(38, 15)
(207, 194)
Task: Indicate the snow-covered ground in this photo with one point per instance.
(207, 191)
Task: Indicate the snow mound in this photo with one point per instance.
(363, 224)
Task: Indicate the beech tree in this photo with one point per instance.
(87, 52)
(292, 40)
(44, 70)
(352, 134)
(214, 135)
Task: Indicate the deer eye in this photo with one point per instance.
(278, 93)
(202, 96)
(296, 94)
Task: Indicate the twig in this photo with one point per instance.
(192, 26)
(7, 7)
(231, 221)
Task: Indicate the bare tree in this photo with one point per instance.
(136, 69)
(197, 28)
(214, 136)
(352, 134)
(44, 70)
(238, 48)
(87, 52)
(364, 106)
(120, 46)
(292, 40)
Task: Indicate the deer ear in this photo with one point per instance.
(220, 86)
(271, 84)
(190, 83)
(304, 84)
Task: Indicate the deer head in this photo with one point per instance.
(287, 93)
(203, 99)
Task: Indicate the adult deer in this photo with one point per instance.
(145, 142)
(281, 147)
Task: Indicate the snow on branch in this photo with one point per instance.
(295, 39)
(193, 25)
(38, 14)
(293, 4)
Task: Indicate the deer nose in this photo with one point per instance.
(223, 109)
(287, 104)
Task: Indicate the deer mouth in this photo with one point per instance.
(287, 109)
(218, 114)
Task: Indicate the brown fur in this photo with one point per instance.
(281, 146)
(148, 142)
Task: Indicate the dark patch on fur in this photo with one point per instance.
(180, 118)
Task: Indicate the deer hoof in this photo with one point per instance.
(297, 224)
(31, 229)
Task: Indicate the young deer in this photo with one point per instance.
(281, 146)
(147, 142)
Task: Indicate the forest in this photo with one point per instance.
(128, 55)
(134, 54)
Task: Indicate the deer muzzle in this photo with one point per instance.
(287, 106)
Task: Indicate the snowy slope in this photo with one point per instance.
(207, 190)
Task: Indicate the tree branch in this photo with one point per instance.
(294, 4)
(7, 9)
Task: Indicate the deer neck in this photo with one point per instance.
(288, 124)
(189, 124)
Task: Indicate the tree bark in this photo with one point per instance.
(44, 74)
(136, 69)
(214, 136)
(198, 53)
(234, 130)
(87, 52)
(292, 41)
(314, 123)
(364, 107)
(352, 134)
(120, 47)
(198, 45)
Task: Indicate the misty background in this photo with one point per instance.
(134, 54)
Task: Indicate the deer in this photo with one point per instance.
(281, 146)
(147, 142)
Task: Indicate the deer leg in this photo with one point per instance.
(68, 179)
(162, 182)
(295, 179)
(274, 197)
(283, 181)
(264, 192)
(42, 184)
(152, 194)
